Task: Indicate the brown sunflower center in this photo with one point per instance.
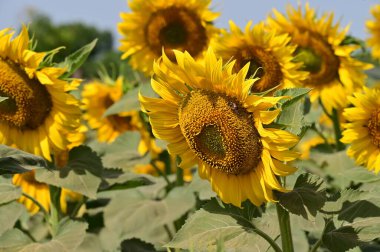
(220, 131)
(176, 28)
(28, 103)
(374, 127)
(318, 58)
(120, 123)
(262, 64)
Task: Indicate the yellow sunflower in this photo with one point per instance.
(333, 73)
(184, 25)
(208, 117)
(40, 192)
(269, 54)
(373, 27)
(363, 128)
(97, 97)
(38, 111)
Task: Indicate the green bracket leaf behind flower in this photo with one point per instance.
(13, 161)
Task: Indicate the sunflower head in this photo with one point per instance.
(362, 130)
(333, 73)
(38, 111)
(269, 55)
(208, 117)
(156, 25)
(373, 27)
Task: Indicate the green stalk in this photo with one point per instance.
(179, 173)
(55, 208)
(338, 134)
(274, 245)
(285, 229)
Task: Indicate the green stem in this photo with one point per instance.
(268, 239)
(316, 245)
(338, 134)
(37, 203)
(285, 229)
(166, 227)
(179, 173)
(161, 173)
(55, 208)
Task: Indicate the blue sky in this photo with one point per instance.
(105, 13)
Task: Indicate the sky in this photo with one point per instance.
(104, 14)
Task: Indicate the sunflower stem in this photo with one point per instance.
(37, 203)
(55, 207)
(274, 245)
(179, 173)
(162, 174)
(285, 229)
(338, 134)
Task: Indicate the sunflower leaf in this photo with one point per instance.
(82, 174)
(13, 161)
(8, 191)
(9, 214)
(2, 98)
(341, 239)
(293, 95)
(204, 230)
(307, 197)
(69, 236)
(76, 59)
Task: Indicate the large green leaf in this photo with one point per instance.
(204, 229)
(69, 236)
(358, 209)
(14, 161)
(76, 59)
(143, 215)
(294, 95)
(91, 243)
(14, 240)
(81, 174)
(9, 213)
(8, 191)
(307, 196)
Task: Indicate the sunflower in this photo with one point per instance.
(208, 117)
(40, 192)
(373, 27)
(184, 25)
(333, 73)
(38, 111)
(269, 54)
(97, 97)
(363, 129)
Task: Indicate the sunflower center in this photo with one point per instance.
(374, 127)
(318, 58)
(176, 28)
(262, 64)
(220, 131)
(28, 103)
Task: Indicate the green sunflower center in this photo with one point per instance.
(176, 28)
(374, 127)
(262, 64)
(220, 131)
(318, 57)
(28, 103)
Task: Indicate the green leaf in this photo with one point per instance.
(341, 239)
(81, 174)
(130, 100)
(293, 110)
(91, 243)
(201, 187)
(360, 208)
(368, 228)
(76, 59)
(136, 245)
(2, 98)
(123, 152)
(69, 236)
(8, 191)
(13, 161)
(14, 240)
(144, 215)
(204, 230)
(9, 214)
(306, 198)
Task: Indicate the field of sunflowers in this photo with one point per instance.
(257, 138)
